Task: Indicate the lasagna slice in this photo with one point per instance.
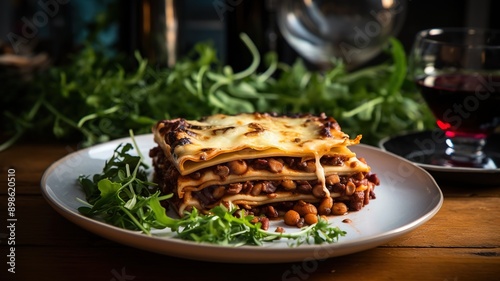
(260, 162)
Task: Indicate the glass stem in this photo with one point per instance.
(465, 151)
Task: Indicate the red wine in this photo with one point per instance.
(464, 105)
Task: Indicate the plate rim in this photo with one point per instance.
(339, 248)
(431, 167)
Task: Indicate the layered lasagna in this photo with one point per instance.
(261, 162)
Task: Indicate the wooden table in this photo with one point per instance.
(462, 242)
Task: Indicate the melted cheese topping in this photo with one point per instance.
(320, 173)
(194, 145)
(246, 136)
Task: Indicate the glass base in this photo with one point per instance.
(445, 161)
(466, 152)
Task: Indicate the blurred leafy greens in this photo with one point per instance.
(96, 99)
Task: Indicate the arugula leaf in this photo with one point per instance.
(108, 188)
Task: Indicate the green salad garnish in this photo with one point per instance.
(123, 196)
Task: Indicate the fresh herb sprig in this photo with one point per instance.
(225, 226)
(121, 195)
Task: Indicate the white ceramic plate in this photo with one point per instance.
(407, 197)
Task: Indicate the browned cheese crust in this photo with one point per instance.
(261, 162)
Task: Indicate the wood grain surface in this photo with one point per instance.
(461, 242)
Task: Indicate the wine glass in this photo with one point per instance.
(457, 71)
(354, 30)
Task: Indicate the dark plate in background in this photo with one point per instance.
(422, 148)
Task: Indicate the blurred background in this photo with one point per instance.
(59, 27)
(72, 69)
